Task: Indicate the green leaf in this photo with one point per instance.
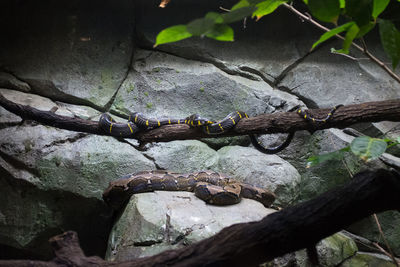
(267, 7)
(378, 7)
(200, 27)
(332, 33)
(172, 34)
(221, 32)
(255, 2)
(238, 14)
(365, 29)
(318, 159)
(342, 3)
(216, 17)
(360, 11)
(390, 38)
(368, 148)
(350, 35)
(325, 10)
(240, 4)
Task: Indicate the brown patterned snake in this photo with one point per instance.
(212, 187)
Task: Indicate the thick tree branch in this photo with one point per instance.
(249, 244)
(283, 122)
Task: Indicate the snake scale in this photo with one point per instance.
(212, 187)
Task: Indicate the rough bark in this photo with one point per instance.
(283, 122)
(249, 244)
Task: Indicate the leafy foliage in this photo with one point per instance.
(318, 159)
(325, 10)
(360, 17)
(368, 148)
(390, 38)
(172, 34)
(332, 33)
(365, 147)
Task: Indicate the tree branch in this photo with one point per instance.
(250, 244)
(283, 122)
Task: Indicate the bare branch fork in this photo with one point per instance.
(250, 244)
(283, 122)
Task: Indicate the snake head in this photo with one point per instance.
(116, 196)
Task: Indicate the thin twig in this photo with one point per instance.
(384, 240)
(385, 252)
(366, 52)
(348, 56)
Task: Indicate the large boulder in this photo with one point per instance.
(82, 58)
(158, 221)
(244, 164)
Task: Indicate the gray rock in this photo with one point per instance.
(389, 221)
(164, 85)
(154, 222)
(32, 100)
(87, 165)
(321, 76)
(242, 163)
(331, 251)
(73, 60)
(368, 260)
(268, 171)
(183, 156)
(29, 216)
(336, 250)
(54, 179)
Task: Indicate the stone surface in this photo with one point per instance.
(368, 260)
(332, 251)
(54, 179)
(157, 221)
(244, 164)
(390, 223)
(29, 216)
(183, 156)
(67, 52)
(268, 171)
(169, 86)
(318, 89)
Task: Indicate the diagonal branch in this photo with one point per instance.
(250, 244)
(283, 122)
(363, 50)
